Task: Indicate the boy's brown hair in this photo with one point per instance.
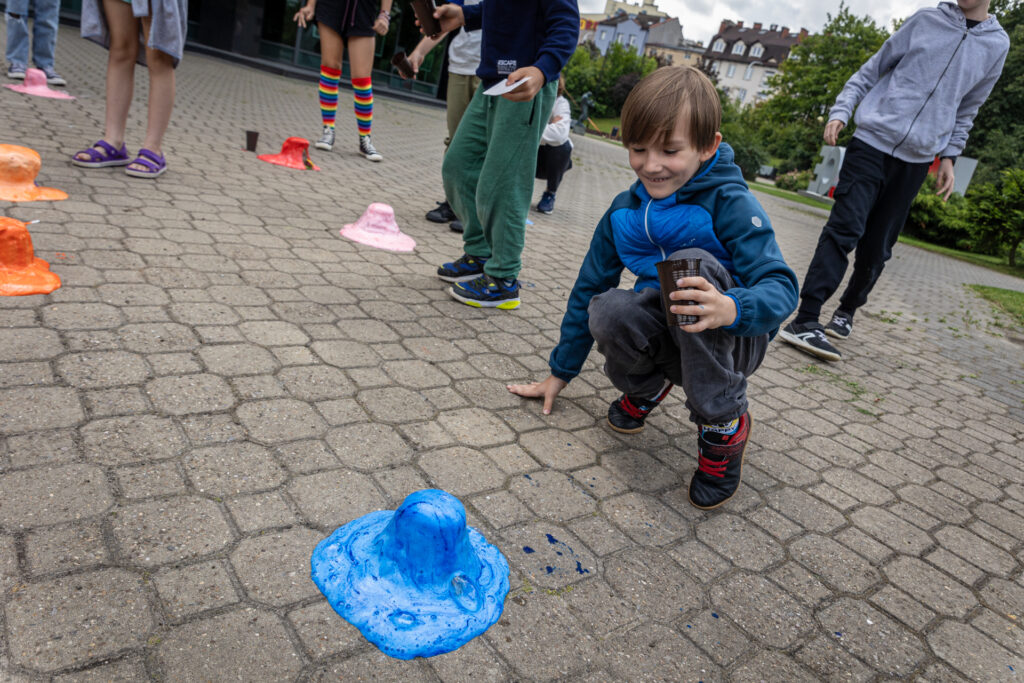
(653, 107)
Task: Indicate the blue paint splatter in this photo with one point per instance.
(549, 569)
(1010, 667)
(688, 626)
(528, 550)
(528, 477)
(715, 615)
(580, 569)
(839, 634)
(551, 539)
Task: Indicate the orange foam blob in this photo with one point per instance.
(21, 273)
(19, 167)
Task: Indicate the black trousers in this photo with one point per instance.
(873, 198)
(552, 163)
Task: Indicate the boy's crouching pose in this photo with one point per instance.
(690, 201)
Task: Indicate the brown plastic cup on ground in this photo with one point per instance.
(251, 136)
(401, 62)
(424, 10)
(668, 273)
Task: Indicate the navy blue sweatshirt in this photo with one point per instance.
(540, 33)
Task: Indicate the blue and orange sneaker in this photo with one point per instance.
(487, 292)
(463, 269)
(719, 462)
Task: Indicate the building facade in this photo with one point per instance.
(629, 31)
(744, 58)
(665, 42)
(613, 7)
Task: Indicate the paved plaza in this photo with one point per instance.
(223, 380)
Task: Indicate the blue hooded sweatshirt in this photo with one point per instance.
(540, 33)
(714, 211)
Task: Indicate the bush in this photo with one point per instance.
(938, 222)
(995, 215)
(793, 181)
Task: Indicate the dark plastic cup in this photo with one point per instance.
(424, 10)
(251, 136)
(401, 62)
(668, 273)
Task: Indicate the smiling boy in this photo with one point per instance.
(689, 201)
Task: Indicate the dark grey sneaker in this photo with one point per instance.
(840, 326)
(16, 72)
(326, 141)
(54, 78)
(810, 338)
(367, 149)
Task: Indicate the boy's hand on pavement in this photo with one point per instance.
(944, 179)
(548, 390)
(526, 91)
(450, 15)
(832, 129)
(713, 308)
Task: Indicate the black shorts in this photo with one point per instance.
(348, 17)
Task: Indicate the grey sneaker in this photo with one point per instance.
(367, 149)
(809, 338)
(54, 78)
(17, 72)
(326, 141)
(840, 326)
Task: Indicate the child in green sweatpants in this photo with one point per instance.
(488, 170)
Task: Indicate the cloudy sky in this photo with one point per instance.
(701, 18)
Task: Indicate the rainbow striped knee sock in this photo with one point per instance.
(363, 89)
(329, 94)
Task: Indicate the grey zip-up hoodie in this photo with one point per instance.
(919, 93)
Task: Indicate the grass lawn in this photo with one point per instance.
(786, 194)
(990, 262)
(1006, 300)
(606, 125)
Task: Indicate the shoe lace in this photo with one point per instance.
(634, 411)
(714, 468)
(367, 146)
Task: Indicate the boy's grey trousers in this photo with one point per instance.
(641, 351)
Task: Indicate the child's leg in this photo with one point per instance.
(360, 60)
(506, 178)
(161, 96)
(558, 164)
(331, 50)
(16, 19)
(460, 173)
(124, 50)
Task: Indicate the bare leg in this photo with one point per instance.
(360, 55)
(124, 48)
(161, 96)
(332, 47)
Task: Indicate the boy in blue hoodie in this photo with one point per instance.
(915, 98)
(689, 201)
(488, 170)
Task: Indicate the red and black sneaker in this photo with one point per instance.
(627, 414)
(719, 465)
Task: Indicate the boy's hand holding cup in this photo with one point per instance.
(691, 302)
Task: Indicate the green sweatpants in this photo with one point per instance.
(488, 175)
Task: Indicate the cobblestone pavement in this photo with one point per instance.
(223, 380)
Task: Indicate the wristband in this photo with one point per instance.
(386, 15)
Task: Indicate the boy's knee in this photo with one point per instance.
(710, 268)
(608, 312)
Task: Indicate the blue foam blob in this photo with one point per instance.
(416, 582)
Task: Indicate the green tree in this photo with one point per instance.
(739, 130)
(997, 138)
(808, 82)
(609, 78)
(995, 214)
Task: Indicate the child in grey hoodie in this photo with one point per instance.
(918, 96)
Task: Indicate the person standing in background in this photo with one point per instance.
(44, 38)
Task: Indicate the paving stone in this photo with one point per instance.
(190, 394)
(891, 530)
(552, 494)
(805, 510)
(935, 589)
(233, 468)
(74, 619)
(399, 482)
(475, 427)
(974, 654)
(651, 652)
(260, 511)
(557, 449)
(202, 430)
(9, 574)
(344, 354)
(955, 566)
(648, 579)
(374, 667)
(21, 344)
(122, 671)
(316, 383)
(721, 641)
(229, 647)
(186, 591)
(903, 607)
(1004, 596)
(395, 405)
(28, 409)
(474, 661)
(41, 448)
(1001, 629)
(323, 633)
(935, 504)
(762, 609)
(274, 567)
(50, 495)
(512, 459)
(331, 499)
(237, 359)
(148, 480)
(81, 316)
(831, 662)
(461, 471)
(204, 314)
(119, 401)
(844, 570)
(526, 630)
(123, 440)
(740, 542)
(306, 456)
(646, 520)
(770, 665)
(639, 471)
(872, 636)
(801, 584)
(548, 555)
(599, 534)
(599, 482)
(161, 531)
(369, 446)
(279, 420)
(60, 548)
(975, 550)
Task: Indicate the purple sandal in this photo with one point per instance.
(101, 155)
(154, 163)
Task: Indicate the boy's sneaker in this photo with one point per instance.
(627, 413)
(809, 338)
(16, 71)
(719, 464)
(367, 149)
(840, 326)
(326, 141)
(442, 214)
(455, 226)
(462, 270)
(487, 292)
(546, 203)
(54, 78)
